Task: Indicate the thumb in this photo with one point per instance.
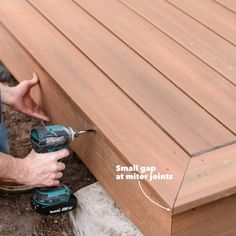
(29, 83)
(26, 85)
(32, 82)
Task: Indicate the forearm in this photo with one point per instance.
(10, 168)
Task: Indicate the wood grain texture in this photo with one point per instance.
(215, 219)
(229, 4)
(212, 15)
(95, 150)
(125, 126)
(209, 177)
(220, 55)
(179, 116)
(67, 77)
(194, 77)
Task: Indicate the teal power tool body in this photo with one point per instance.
(58, 199)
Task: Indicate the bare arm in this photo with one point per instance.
(35, 170)
(10, 168)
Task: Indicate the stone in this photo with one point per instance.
(98, 215)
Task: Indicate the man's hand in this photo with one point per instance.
(42, 170)
(36, 170)
(19, 98)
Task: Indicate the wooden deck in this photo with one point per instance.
(157, 80)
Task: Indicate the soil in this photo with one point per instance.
(16, 216)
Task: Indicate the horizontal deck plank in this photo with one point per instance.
(212, 15)
(104, 104)
(188, 124)
(229, 4)
(220, 55)
(195, 78)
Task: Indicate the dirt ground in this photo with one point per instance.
(16, 216)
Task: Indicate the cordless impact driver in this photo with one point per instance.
(51, 138)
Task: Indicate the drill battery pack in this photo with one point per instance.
(59, 207)
(53, 200)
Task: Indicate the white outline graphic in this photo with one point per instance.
(165, 208)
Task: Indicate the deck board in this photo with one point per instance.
(229, 4)
(187, 124)
(220, 55)
(218, 19)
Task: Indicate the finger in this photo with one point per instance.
(60, 166)
(61, 154)
(54, 183)
(58, 175)
(34, 75)
(51, 183)
(57, 155)
(36, 111)
(31, 82)
(34, 79)
(40, 115)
